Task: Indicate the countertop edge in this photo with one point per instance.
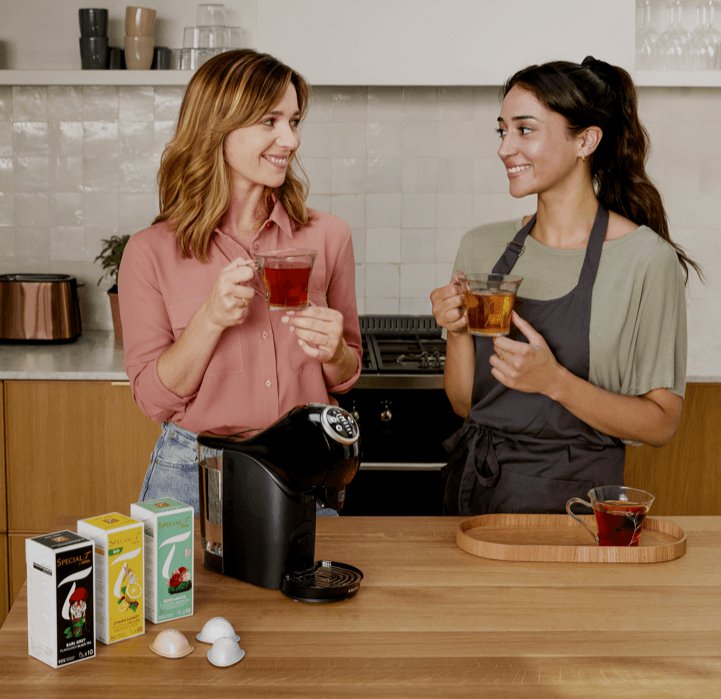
(95, 356)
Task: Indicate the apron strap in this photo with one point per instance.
(594, 248)
(513, 250)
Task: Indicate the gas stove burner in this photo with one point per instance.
(422, 360)
(326, 581)
(402, 345)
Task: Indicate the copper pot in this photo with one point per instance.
(39, 308)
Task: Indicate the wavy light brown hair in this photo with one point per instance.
(595, 93)
(229, 91)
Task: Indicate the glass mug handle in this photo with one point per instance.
(580, 501)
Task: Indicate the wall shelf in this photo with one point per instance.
(95, 77)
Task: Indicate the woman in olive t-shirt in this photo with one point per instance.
(597, 350)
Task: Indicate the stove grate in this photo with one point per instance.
(399, 325)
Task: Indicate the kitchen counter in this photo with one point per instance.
(93, 356)
(429, 620)
(96, 356)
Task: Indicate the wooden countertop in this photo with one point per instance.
(429, 621)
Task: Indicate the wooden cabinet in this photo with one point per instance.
(684, 474)
(73, 449)
(5, 599)
(16, 564)
(4, 560)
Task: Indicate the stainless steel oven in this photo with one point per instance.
(404, 417)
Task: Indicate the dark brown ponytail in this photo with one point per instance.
(595, 93)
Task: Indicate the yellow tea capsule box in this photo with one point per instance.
(60, 589)
(119, 575)
(168, 558)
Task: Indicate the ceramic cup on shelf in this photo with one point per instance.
(139, 52)
(93, 21)
(116, 58)
(93, 52)
(139, 21)
(161, 58)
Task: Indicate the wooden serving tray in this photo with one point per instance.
(518, 537)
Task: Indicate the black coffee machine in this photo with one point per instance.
(258, 499)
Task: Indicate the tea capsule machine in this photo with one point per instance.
(258, 495)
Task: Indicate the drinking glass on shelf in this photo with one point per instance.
(705, 43)
(210, 15)
(674, 41)
(647, 47)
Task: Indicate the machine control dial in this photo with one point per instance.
(339, 425)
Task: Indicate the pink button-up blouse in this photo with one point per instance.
(257, 372)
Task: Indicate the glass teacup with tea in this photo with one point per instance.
(286, 276)
(620, 512)
(489, 299)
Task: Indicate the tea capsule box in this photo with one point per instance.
(60, 589)
(168, 558)
(119, 605)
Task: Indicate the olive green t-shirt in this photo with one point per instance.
(638, 308)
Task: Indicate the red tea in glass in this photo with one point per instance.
(620, 512)
(286, 275)
(619, 523)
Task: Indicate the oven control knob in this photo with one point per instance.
(386, 414)
(354, 411)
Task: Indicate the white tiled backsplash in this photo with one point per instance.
(410, 169)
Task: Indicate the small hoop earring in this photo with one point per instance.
(583, 158)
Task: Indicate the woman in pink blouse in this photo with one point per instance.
(202, 349)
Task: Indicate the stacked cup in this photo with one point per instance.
(209, 37)
(139, 37)
(93, 38)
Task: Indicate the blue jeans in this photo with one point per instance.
(173, 470)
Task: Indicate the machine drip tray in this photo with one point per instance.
(326, 581)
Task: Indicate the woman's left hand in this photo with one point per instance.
(528, 367)
(319, 331)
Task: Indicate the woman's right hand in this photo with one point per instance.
(228, 302)
(448, 307)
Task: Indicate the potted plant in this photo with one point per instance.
(109, 258)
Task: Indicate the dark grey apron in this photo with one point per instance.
(523, 452)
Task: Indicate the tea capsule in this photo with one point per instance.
(215, 628)
(171, 643)
(225, 652)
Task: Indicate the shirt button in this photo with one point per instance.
(268, 225)
(268, 383)
(265, 335)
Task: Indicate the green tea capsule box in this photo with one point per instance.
(168, 558)
(61, 598)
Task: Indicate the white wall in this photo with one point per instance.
(409, 168)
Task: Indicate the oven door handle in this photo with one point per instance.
(401, 466)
